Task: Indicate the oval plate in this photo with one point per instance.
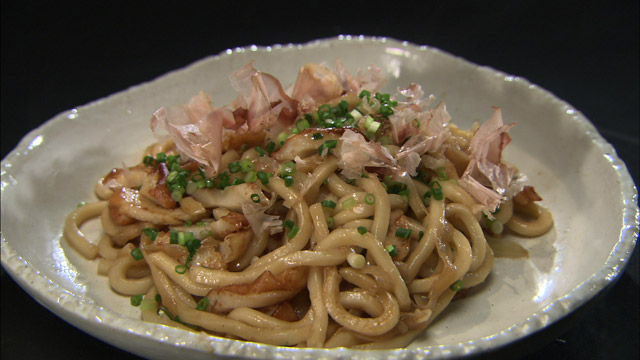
(57, 165)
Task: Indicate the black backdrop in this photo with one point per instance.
(57, 56)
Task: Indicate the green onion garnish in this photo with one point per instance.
(442, 173)
(151, 233)
(327, 145)
(264, 177)
(260, 151)
(317, 136)
(287, 168)
(234, 167)
(420, 235)
(158, 298)
(237, 181)
(255, 198)
(160, 157)
(136, 300)
(148, 160)
(349, 203)
(270, 147)
(364, 93)
(302, 124)
(392, 250)
(282, 137)
(292, 233)
(369, 199)
(203, 304)
(191, 187)
(176, 195)
(328, 204)
(288, 181)
(246, 165)
(436, 190)
(251, 177)
(181, 269)
(403, 233)
(456, 286)
(289, 224)
(137, 254)
(362, 230)
(173, 237)
(331, 222)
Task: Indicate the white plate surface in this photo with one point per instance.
(580, 177)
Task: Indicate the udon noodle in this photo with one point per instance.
(327, 215)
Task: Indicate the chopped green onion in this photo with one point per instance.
(364, 93)
(191, 187)
(404, 192)
(160, 157)
(392, 250)
(147, 305)
(328, 204)
(373, 127)
(327, 145)
(420, 235)
(264, 177)
(251, 177)
(362, 230)
(148, 160)
(368, 120)
(255, 198)
(287, 168)
(436, 190)
(302, 124)
(260, 151)
(369, 199)
(349, 203)
(289, 224)
(237, 181)
(234, 167)
(350, 181)
(172, 176)
(271, 146)
(317, 136)
(158, 298)
(292, 233)
(288, 181)
(356, 261)
(151, 233)
(442, 173)
(176, 195)
(282, 138)
(355, 114)
(173, 237)
(403, 233)
(181, 269)
(193, 244)
(246, 165)
(331, 222)
(137, 254)
(243, 147)
(295, 131)
(203, 304)
(136, 300)
(456, 286)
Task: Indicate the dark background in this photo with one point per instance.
(56, 57)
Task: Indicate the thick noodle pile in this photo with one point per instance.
(326, 215)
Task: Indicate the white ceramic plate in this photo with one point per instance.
(576, 171)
